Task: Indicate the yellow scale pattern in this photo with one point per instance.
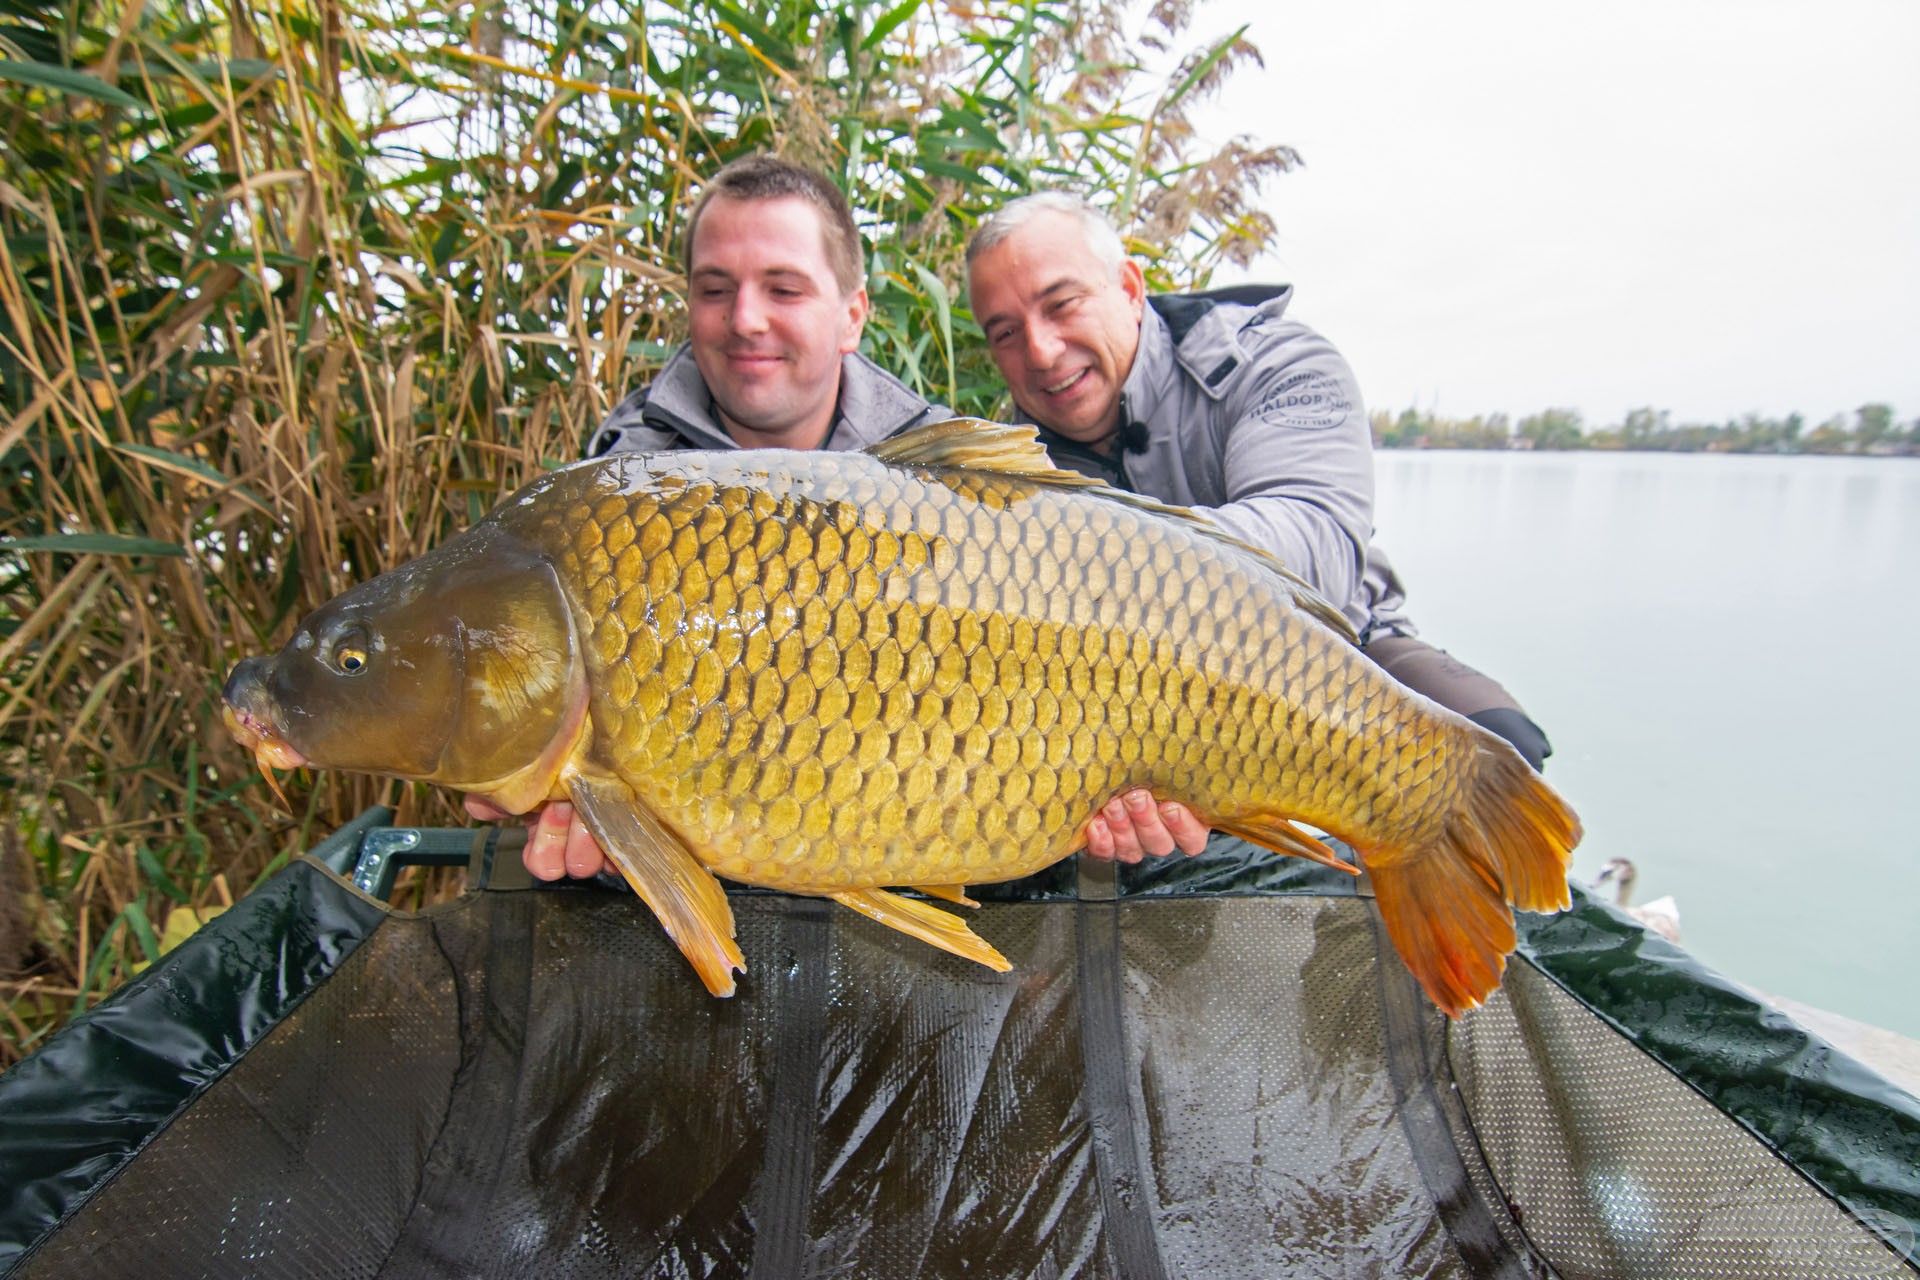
(856, 674)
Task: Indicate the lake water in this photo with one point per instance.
(1718, 647)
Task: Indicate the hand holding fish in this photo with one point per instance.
(1132, 825)
(558, 844)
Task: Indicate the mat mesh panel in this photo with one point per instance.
(303, 1159)
(950, 1135)
(639, 1117)
(935, 1122)
(1618, 1169)
(1276, 1146)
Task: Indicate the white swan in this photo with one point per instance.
(1661, 916)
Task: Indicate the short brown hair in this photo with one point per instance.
(766, 177)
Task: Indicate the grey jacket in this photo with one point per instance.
(1257, 420)
(675, 410)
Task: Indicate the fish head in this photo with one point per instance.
(461, 667)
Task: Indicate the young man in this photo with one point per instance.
(1229, 408)
(777, 301)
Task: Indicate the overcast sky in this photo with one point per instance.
(1706, 206)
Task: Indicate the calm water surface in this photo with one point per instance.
(1722, 650)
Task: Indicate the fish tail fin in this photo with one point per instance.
(1448, 907)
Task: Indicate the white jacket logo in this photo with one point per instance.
(1308, 400)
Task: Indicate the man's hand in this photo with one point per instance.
(1133, 825)
(558, 843)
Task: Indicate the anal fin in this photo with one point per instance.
(923, 921)
(689, 902)
(1282, 836)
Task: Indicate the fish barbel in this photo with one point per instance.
(924, 666)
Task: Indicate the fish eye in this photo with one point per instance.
(350, 653)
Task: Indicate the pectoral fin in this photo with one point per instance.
(683, 894)
(927, 923)
(1282, 836)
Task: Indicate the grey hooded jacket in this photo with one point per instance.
(675, 410)
(1257, 420)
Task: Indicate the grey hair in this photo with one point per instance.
(1101, 237)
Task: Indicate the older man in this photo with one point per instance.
(1213, 403)
(776, 302)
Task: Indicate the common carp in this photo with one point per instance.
(923, 667)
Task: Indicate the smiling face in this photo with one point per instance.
(770, 321)
(1062, 325)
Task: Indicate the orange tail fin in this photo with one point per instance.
(1448, 907)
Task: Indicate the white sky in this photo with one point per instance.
(1706, 206)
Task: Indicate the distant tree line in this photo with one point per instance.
(1872, 431)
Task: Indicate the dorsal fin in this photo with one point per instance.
(974, 444)
(978, 445)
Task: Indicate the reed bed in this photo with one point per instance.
(290, 292)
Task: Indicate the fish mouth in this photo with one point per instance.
(256, 736)
(253, 730)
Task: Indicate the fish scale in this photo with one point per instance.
(921, 666)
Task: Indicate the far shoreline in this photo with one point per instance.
(1615, 450)
(1872, 432)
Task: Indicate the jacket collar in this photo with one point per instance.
(873, 404)
(1150, 382)
(679, 402)
(1199, 336)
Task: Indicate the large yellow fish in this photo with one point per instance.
(924, 666)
